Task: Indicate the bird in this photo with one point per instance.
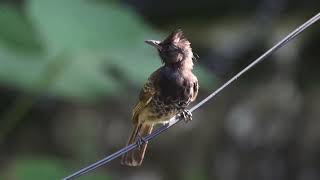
(167, 93)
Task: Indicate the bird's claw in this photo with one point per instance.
(186, 116)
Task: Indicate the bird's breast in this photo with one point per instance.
(173, 87)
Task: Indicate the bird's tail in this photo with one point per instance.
(135, 157)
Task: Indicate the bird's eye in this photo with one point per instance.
(173, 48)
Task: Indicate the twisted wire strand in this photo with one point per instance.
(175, 120)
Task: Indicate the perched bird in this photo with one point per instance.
(167, 92)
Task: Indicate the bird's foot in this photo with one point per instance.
(140, 141)
(186, 116)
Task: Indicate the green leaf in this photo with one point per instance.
(18, 70)
(79, 78)
(76, 48)
(16, 31)
(87, 25)
(98, 37)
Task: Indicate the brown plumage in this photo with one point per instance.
(167, 92)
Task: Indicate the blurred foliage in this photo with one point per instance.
(55, 56)
(76, 50)
(97, 40)
(195, 174)
(16, 32)
(36, 168)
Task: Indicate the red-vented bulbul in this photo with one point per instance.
(167, 92)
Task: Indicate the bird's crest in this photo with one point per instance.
(177, 37)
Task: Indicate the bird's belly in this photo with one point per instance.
(161, 112)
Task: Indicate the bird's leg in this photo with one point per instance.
(186, 115)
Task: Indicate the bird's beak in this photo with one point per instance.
(153, 43)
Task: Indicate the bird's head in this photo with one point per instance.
(174, 49)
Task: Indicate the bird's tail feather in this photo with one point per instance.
(135, 157)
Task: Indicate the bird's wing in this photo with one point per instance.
(195, 90)
(146, 95)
